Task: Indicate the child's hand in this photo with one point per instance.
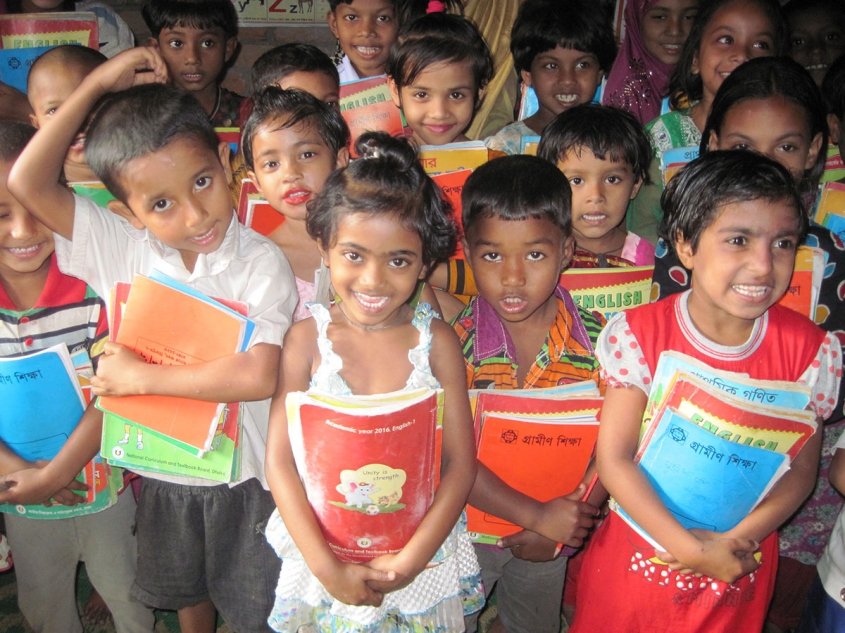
(529, 545)
(720, 557)
(119, 372)
(567, 519)
(402, 575)
(350, 583)
(32, 486)
(136, 66)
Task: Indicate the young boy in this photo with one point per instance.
(292, 142)
(365, 30)
(155, 150)
(524, 331)
(40, 307)
(298, 65)
(562, 49)
(833, 91)
(196, 38)
(604, 153)
(816, 34)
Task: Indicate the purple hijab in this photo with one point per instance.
(638, 81)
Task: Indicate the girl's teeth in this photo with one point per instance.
(751, 291)
(566, 98)
(24, 251)
(367, 50)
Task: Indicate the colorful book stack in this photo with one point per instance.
(255, 212)
(369, 465)
(608, 290)
(538, 441)
(168, 323)
(366, 106)
(830, 208)
(673, 159)
(43, 402)
(714, 443)
(802, 294)
(230, 135)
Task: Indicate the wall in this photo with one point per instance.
(254, 41)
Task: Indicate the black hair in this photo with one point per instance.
(435, 38)
(140, 121)
(766, 77)
(542, 25)
(609, 133)
(517, 188)
(685, 86)
(387, 179)
(197, 14)
(695, 196)
(286, 108)
(833, 89)
(409, 10)
(797, 6)
(284, 60)
(14, 136)
(14, 6)
(66, 55)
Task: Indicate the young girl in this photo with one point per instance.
(816, 34)
(735, 219)
(655, 31)
(725, 34)
(437, 70)
(771, 106)
(380, 225)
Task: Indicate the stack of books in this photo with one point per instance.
(367, 106)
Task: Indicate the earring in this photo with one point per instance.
(337, 58)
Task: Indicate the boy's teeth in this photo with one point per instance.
(367, 50)
(370, 302)
(751, 291)
(566, 98)
(23, 251)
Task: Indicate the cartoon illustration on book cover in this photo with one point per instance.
(372, 489)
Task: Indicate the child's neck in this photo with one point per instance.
(530, 335)
(536, 122)
(24, 289)
(299, 248)
(611, 243)
(700, 111)
(209, 98)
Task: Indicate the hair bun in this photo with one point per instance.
(396, 152)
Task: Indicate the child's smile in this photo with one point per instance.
(366, 29)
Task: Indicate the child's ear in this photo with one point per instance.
(685, 251)
(832, 126)
(251, 175)
(224, 152)
(324, 252)
(694, 66)
(567, 251)
(394, 91)
(119, 208)
(713, 141)
(231, 47)
(526, 77)
(342, 158)
(813, 154)
(332, 21)
(152, 42)
(34, 120)
(636, 188)
(465, 249)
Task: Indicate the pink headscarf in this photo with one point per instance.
(637, 82)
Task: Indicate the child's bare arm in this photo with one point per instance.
(836, 474)
(34, 180)
(249, 375)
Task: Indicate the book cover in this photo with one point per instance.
(94, 191)
(440, 159)
(608, 290)
(528, 145)
(673, 159)
(802, 295)
(451, 185)
(369, 469)
(834, 168)
(366, 106)
(15, 64)
(255, 212)
(829, 211)
(230, 135)
(30, 30)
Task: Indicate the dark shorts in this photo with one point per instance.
(198, 543)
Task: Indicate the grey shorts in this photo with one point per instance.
(198, 543)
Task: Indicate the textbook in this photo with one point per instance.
(255, 212)
(230, 135)
(366, 105)
(673, 159)
(829, 211)
(834, 168)
(451, 185)
(802, 294)
(94, 191)
(15, 64)
(608, 290)
(30, 30)
(369, 465)
(528, 145)
(538, 443)
(440, 159)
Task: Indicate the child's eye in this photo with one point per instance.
(726, 39)
(576, 181)
(352, 256)
(399, 262)
(420, 95)
(798, 42)
(535, 256)
(613, 180)
(583, 65)
(786, 244)
(51, 111)
(203, 182)
(384, 18)
(350, 17)
(787, 147)
(208, 43)
(832, 37)
(738, 240)
(457, 95)
(175, 43)
(550, 66)
(334, 105)
(162, 205)
(270, 164)
(307, 155)
(491, 257)
(741, 146)
(763, 45)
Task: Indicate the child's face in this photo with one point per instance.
(49, 88)
(563, 78)
(366, 29)
(742, 266)
(39, 6)
(517, 266)
(739, 31)
(194, 57)
(665, 28)
(375, 264)
(816, 40)
(25, 243)
(601, 190)
(774, 127)
(318, 84)
(292, 164)
(440, 103)
(181, 194)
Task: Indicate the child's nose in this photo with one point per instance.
(192, 53)
(195, 213)
(367, 26)
(513, 274)
(566, 75)
(762, 258)
(23, 226)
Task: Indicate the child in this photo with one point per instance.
(298, 65)
(833, 92)
(365, 31)
(52, 79)
(562, 50)
(292, 143)
(380, 225)
(41, 307)
(816, 34)
(155, 150)
(725, 34)
(735, 220)
(655, 31)
(196, 38)
(437, 71)
(524, 331)
(605, 155)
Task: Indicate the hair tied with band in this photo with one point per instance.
(435, 6)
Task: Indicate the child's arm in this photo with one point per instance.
(345, 581)
(249, 375)
(34, 180)
(723, 557)
(836, 473)
(457, 468)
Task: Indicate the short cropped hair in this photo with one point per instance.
(289, 107)
(68, 55)
(436, 38)
(697, 193)
(284, 60)
(197, 14)
(833, 89)
(140, 121)
(387, 180)
(517, 188)
(609, 133)
(14, 136)
(542, 25)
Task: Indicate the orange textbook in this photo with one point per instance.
(366, 105)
